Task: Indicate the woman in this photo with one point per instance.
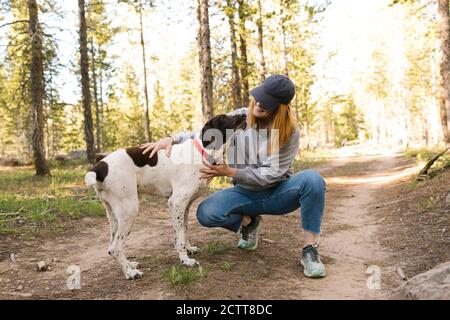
(266, 186)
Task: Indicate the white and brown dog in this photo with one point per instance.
(123, 175)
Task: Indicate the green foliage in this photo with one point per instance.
(398, 96)
(28, 201)
(344, 121)
(308, 159)
(134, 116)
(347, 123)
(15, 130)
(179, 276)
(226, 266)
(162, 119)
(217, 247)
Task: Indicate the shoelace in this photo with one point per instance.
(311, 252)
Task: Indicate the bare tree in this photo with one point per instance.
(259, 25)
(204, 50)
(98, 132)
(84, 69)
(284, 19)
(37, 91)
(147, 132)
(443, 8)
(243, 61)
(235, 77)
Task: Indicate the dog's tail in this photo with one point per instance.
(97, 174)
(91, 179)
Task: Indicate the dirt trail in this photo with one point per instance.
(349, 246)
(356, 251)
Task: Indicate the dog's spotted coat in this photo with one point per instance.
(123, 175)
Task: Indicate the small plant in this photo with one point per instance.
(179, 276)
(413, 184)
(431, 203)
(226, 266)
(215, 247)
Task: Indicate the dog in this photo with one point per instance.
(120, 178)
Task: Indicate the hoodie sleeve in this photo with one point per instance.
(238, 111)
(182, 136)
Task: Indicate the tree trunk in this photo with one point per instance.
(243, 63)
(85, 89)
(147, 132)
(204, 49)
(236, 79)
(101, 95)
(259, 24)
(283, 20)
(443, 8)
(297, 115)
(285, 55)
(97, 108)
(37, 91)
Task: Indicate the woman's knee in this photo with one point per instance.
(207, 213)
(202, 213)
(312, 180)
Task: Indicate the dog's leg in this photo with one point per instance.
(112, 220)
(178, 205)
(125, 213)
(190, 249)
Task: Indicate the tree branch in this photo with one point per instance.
(14, 22)
(424, 171)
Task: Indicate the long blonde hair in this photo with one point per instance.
(283, 120)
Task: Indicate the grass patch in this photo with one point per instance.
(308, 159)
(226, 266)
(429, 203)
(413, 184)
(216, 247)
(29, 204)
(179, 276)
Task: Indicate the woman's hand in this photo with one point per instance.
(210, 171)
(165, 143)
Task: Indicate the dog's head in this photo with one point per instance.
(214, 132)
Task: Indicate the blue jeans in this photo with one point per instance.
(226, 208)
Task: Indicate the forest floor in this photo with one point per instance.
(377, 219)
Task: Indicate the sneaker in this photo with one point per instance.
(310, 260)
(249, 234)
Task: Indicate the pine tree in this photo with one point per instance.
(85, 83)
(204, 50)
(236, 96)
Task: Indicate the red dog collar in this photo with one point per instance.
(203, 152)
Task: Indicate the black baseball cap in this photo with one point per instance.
(277, 89)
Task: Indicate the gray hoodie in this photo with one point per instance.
(263, 172)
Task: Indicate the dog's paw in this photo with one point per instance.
(133, 274)
(133, 264)
(190, 262)
(193, 249)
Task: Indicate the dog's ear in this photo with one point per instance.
(221, 123)
(240, 122)
(209, 138)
